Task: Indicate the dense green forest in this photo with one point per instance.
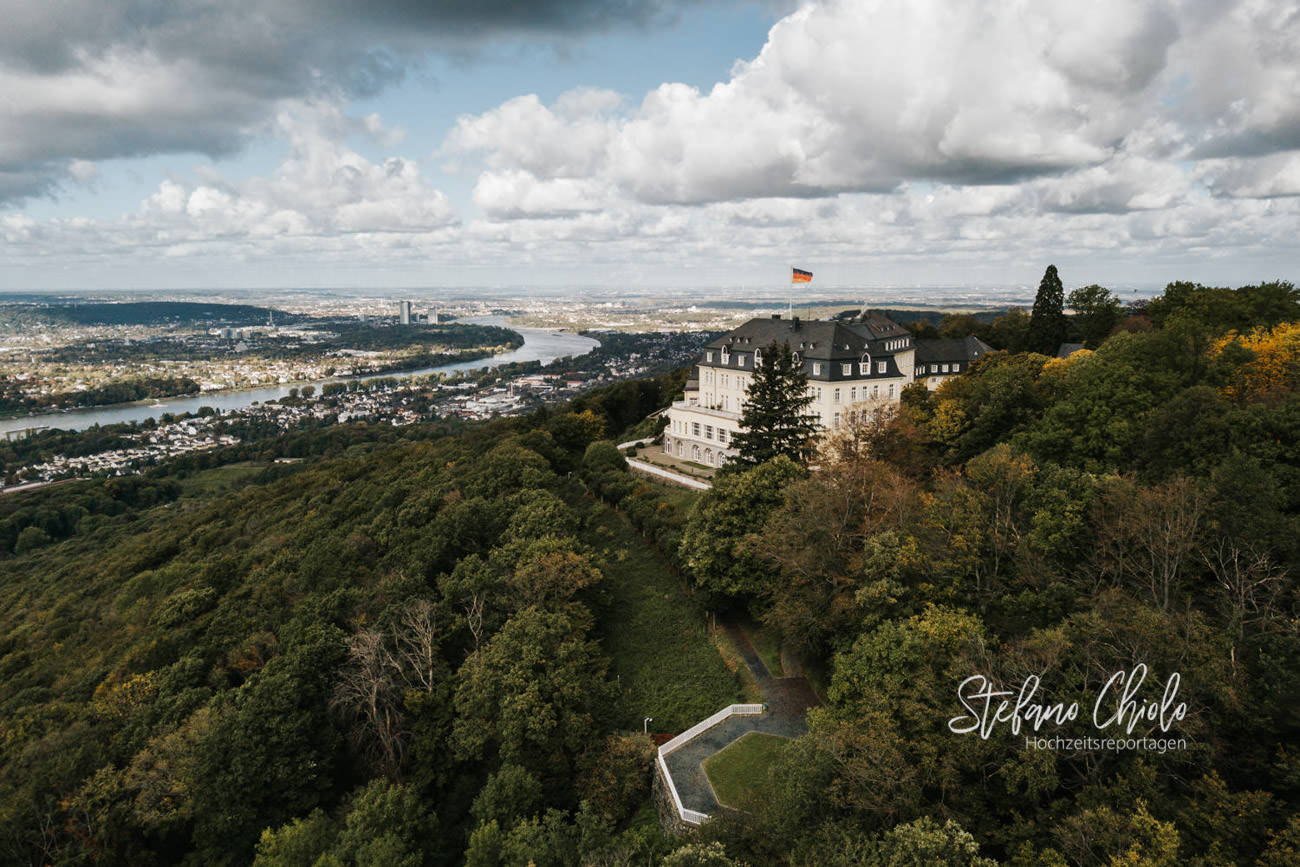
(408, 646)
(437, 644)
(1062, 518)
(164, 313)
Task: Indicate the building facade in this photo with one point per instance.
(941, 360)
(851, 366)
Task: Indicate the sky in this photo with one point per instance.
(153, 144)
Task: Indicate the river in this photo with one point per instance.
(539, 345)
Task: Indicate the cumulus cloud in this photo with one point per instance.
(851, 96)
(87, 80)
(921, 133)
(1264, 177)
(321, 188)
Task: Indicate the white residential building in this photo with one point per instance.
(940, 360)
(851, 366)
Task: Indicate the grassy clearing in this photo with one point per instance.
(739, 771)
(662, 657)
(749, 691)
(675, 495)
(768, 644)
(219, 480)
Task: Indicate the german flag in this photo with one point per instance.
(801, 276)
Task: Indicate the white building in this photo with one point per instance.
(941, 360)
(851, 366)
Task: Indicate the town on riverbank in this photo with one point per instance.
(156, 435)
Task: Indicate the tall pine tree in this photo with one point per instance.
(776, 419)
(1047, 323)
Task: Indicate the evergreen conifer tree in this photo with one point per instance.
(1047, 323)
(775, 420)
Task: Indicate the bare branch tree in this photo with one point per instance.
(474, 616)
(1146, 536)
(1249, 580)
(368, 694)
(417, 645)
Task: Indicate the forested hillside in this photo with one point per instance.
(1058, 518)
(437, 645)
(412, 652)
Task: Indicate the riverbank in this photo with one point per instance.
(544, 345)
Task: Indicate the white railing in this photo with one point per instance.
(669, 474)
(630, 443)
(706, 724)
(694, 817)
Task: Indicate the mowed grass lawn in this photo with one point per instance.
(662, 655)
(739, 771)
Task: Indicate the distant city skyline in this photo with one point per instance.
(570, 143)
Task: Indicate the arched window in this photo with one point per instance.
(708, 456)
(758, 357)
(864, 365)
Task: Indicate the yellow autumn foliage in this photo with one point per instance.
(1272, 371)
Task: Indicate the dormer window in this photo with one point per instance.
(758, 357)
(846, 369)
(708, 356)
(817, 368)
(726, 356)
(864, 366)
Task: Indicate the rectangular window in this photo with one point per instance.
(891, 389)
(708, 431)
(835, 396)
(864, 368)
(846, 369)
(695, 428)
(837, 419)
(708, 356)
(956, 368)
(853, 394)
(726, 358)
(875, 391)
(880, 367)
(722, 435)
(817, 368)
(945, 368)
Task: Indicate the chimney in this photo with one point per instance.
(795, 326)
(776, 315)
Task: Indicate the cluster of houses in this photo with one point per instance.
(152, 446)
